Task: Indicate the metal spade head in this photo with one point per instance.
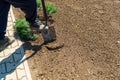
(49, 34)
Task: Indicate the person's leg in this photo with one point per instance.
(30, 11)
(4, 40)
(29, 7)
(4, 9)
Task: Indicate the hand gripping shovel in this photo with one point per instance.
(49, 33)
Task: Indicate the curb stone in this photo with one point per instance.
(11, 65)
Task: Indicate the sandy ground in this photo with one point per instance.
(90, 31)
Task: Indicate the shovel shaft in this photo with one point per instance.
(44, 11)
(49, 34)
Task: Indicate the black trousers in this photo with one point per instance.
(29, 7)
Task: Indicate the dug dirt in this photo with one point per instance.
(90, 31)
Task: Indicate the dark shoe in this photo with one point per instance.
(6, 42)
(37, 26)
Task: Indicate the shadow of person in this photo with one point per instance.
(9, 64)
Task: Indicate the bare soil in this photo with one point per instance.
(90, 31)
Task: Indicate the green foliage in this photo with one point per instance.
(39, 4)
(51, 9)
(23, 30)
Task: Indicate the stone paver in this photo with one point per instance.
(12, 66)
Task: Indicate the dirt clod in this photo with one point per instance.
(54, 46)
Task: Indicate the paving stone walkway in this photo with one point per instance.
(12, 63)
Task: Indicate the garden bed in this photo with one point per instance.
(90, 33)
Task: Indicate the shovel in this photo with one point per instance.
(49, 33)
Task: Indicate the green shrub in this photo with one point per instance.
(39, 4)
(51, 9)
(23, 29)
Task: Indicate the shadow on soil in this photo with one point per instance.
(10, 64)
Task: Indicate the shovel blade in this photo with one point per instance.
(49, 34)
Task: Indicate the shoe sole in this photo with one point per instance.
(39, 29)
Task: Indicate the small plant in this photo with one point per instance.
(23, 29)
(51, 9)
(39, 4)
